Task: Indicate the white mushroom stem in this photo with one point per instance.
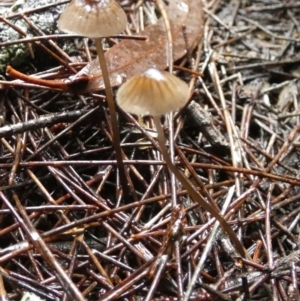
(113, 115)
(197, 198)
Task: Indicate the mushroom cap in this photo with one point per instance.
(154, 92)
(93, 18)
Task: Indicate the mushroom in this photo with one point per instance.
(98, 19)
(93, 18)
(155, 93)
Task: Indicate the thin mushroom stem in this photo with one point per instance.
(113, 116)
(166, 20)
(197, 198)
(163, 12)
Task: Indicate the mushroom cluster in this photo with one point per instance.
(153, 92)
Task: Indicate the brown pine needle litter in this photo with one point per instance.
(68, 231)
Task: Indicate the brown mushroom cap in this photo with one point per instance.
(153, 93)
(93, 18)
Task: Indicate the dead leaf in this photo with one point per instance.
(131, 57)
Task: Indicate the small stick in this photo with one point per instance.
(10, 71)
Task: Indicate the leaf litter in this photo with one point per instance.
(241, 142)
(130, 57)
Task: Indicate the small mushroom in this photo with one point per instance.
(98, 19)
(156, 93)
(93, 18)
(153, 93)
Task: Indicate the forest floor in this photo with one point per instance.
(72, 228)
